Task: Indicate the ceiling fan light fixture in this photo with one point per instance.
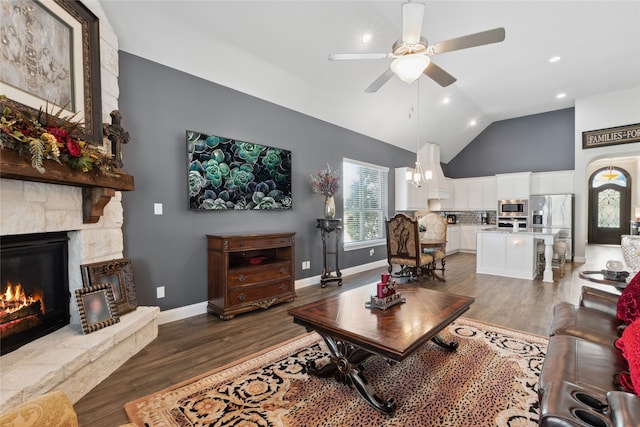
(409, 67)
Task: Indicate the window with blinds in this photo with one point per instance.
(365, 192)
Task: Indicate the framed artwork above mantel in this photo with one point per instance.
(50, 53)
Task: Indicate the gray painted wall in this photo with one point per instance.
(538, 143)
(158, 104)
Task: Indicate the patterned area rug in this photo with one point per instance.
(491, 380)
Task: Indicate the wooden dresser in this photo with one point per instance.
(247, 272)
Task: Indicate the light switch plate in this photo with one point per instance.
(157, 208)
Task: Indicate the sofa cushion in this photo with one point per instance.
(629, 302)
(587, 323)
(629, 344)
(584, 363)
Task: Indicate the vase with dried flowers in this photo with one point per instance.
(327, 183)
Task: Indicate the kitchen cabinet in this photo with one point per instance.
(460, 194)
(408, 197)
(468, 237)
(489, 194)
(513, 185)
(555, 182)
(475, 193)
(453, 239)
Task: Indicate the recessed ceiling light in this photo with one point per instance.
(472, 123)
(561, 95)
(445, 100)
(554, 59)
(366, 38)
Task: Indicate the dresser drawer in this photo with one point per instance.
(249, 295)
(263, 273)
(248, 243)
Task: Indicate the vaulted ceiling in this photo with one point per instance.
(277, 51)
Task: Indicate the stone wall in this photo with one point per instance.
(30, 207)
(67, 360)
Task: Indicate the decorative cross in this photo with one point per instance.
(117, 135)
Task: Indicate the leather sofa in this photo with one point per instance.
(579, 383)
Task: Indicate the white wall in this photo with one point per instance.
(598, 112)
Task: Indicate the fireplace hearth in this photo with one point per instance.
(35, 287)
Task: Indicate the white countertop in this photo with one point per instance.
(535, 231)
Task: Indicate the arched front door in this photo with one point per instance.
(609, 204)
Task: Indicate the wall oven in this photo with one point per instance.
(513, 208)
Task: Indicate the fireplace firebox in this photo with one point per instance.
(35, 287)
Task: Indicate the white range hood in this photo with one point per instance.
(429, 156)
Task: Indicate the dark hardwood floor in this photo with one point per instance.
(198, 344)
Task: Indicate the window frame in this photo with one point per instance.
(362, 244)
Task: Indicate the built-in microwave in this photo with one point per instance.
(513, 208)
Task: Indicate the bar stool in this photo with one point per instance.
(559, 257)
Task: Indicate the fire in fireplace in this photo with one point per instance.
(35, 287)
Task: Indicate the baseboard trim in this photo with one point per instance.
(179, 313)
(314, 280)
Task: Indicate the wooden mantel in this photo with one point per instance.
(97, 189)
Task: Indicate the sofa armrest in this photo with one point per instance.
(625, 408)
(599, 300)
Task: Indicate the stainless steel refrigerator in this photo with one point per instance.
(554, 211)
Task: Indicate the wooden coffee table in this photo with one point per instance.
(353, 333)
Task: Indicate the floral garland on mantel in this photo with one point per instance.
(52, 137)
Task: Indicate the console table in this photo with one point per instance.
(328, 226)
(247, 272)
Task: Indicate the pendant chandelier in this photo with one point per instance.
(418, 178)
(611, 174)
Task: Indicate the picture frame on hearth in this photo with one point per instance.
(96, 307)
(118, 274)
(51, 61)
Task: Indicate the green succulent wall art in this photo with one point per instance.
(225, 173)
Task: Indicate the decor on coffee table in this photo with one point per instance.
(238, 283)
(386, 295)
(327, 183)
(328, 227)
(119, 274)
(96, 307)
(353, 333)
(491, 381)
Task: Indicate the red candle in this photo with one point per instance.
(385, 278)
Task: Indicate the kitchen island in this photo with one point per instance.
(503, 252)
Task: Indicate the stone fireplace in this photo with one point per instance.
(65, 359)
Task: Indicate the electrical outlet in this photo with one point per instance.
(157, 208)
(160, 292)
(306, 265)
(371, 251)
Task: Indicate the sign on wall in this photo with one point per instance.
(611, 136)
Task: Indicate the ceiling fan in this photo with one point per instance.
(412, 53)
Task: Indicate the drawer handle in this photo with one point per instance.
(282, 270)
(242, 297)
(241, 244)
(241, 278)
(282, 286)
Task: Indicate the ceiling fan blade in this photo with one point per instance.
(384, 77)
(439, 75)
(412, 16)
(472, 40)
(349, 56)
